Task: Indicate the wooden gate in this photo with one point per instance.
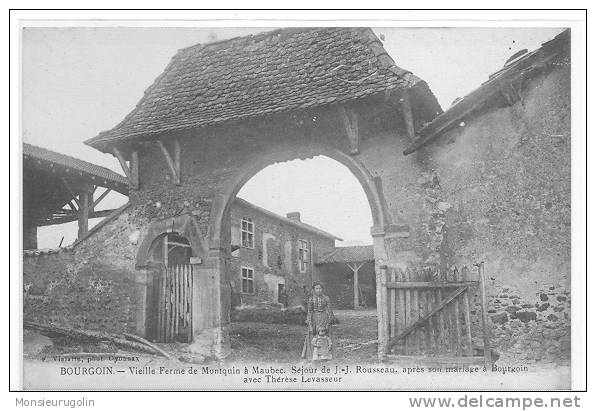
(429, 315)
(174, 313)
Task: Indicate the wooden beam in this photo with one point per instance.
(431, 284)
(72, 192)
(173, 163)
(70, 216)
(131, 171)
(349, 119)
(177, 151)
(122, 162)
(134, 169)
(407, 114)
(101, 197)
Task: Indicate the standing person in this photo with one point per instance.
(318, 317)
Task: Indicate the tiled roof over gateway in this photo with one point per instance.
(273, 72)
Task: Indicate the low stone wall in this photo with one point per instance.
(92, 285)
(270, 315)
(532, 330)
(64, 291)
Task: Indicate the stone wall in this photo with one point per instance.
(532, 329)
(92, 286)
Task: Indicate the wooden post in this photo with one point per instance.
(349, 119)
(132, 170)
(172, 303)
(402, 304)
(457, 319)
(356, 294)
(176, 299)
(162, 304)
(416, 314)
(190, 304)
(83, 213)
(355, 269)
(392, 307)
(177, 151)
(408, 311)
(484, 305)
(441, 319)
(173, 163)
(466, 302)
(383, 324)
(429, 308)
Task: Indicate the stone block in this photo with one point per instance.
(499, 318)
(525, 316)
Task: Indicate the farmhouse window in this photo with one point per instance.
(303, 255)
(248, 280)
(247, 229)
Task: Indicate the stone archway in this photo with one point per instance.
(221, 203)
(183, 225)
(219, 227)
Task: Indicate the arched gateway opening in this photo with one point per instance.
(289, 265)
(370, 185)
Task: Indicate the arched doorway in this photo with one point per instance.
(170, 290)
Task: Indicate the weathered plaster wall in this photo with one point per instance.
(504, 177)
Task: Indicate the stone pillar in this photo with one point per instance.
(356, 294)
(211, 306)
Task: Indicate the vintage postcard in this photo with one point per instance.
(305, 207)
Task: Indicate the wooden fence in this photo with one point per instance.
(174, 314)
(429, 314)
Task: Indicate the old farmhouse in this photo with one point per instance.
(273, 257)
(488, 180)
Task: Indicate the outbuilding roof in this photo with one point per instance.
(353, 254)
(103, 176)
(267, 73)
(510, 78)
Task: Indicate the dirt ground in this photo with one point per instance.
(354, 339)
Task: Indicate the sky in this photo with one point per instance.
(79, 81)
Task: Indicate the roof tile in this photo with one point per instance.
(258, 75)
